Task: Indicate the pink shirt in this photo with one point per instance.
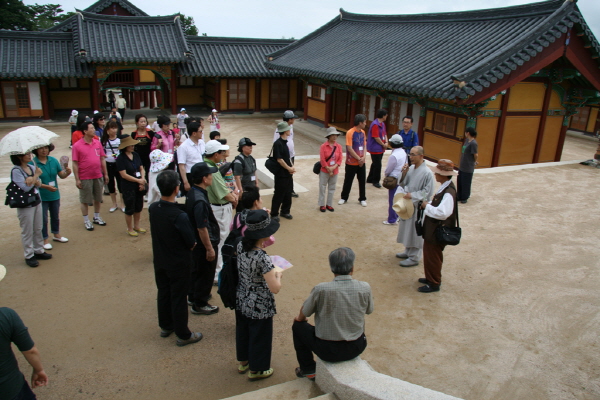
(168, 143)
(325, 152)
(89, 158)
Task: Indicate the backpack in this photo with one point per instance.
(228, 277)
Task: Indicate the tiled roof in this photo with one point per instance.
(231, 57)
(39, 55)
(422, 55)
(108, 38)
(104, 4)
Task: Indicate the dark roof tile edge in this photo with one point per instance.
(237, 40)
(127, 19)
(103, 4)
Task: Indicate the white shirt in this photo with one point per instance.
(445, 208)
(290, 140)
(395, 163)
(121, 103)
(190, 154)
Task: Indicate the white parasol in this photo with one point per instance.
(25, 139)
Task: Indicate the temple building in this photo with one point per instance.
(520, 75)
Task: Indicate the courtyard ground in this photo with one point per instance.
(517, 316)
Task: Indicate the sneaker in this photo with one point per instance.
(390, 223)
(205, 310)
(363, 203)
(99, 221)
(43, 256)
(304, 374)
(408, 263)
(166, 332)
(32, 262)
(47, 246)
(329, 208)
(196, 337)
(88, 225)
(342, 201)
(254, 376)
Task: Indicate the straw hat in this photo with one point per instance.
(128, 141)
(2, 272)
(445, 168)
(403, 207)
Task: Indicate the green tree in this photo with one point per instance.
(48, 15)
(189, 28)
(16, 16)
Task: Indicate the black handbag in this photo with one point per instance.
(18, 198)
(448, 235)
(317, 167)
(272, 164)
(419, 229)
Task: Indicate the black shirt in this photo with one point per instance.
(130, 167)
(143, 147)
(172, 235)
(280, 150)
(201, 215)
(244, 166)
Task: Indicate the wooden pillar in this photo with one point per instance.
(173, 91)
(421, 130)
(543, 118)
(353, 107)
(95, 92)
(45, 103)
(305, 100)
(257, 95)
(561, 138)
(500, 130)
(136, 91)
(328, 104)
(217, 94)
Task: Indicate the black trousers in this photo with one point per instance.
(375, 171)
(306, 343)
(282, 197)
(171, 301)
(360, 172)
(202, 275)
(464, 185)
(254, 341)
(122, 112)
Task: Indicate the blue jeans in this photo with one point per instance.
(53, 207)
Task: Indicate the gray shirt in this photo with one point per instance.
(467, 160)
(339, 307)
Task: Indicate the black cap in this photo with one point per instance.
(202, 169)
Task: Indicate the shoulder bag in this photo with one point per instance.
(272, 164)
(448, 235)
(317, 167)
(18, 198)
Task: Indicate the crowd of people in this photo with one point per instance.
(168, 162)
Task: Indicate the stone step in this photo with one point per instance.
(328, 396)
(298, 389)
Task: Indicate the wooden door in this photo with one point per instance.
(237, 94)
(278, 93)
(16, 99)
(579, 121)
(341, 106)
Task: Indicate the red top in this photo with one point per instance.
(325, 152)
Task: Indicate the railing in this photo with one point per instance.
(120, 77)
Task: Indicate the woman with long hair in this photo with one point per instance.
(27, 178)
(99, 121)
(110, 141)
(213, 120)
(255, 303)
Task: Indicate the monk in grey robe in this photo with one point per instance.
(418, 183)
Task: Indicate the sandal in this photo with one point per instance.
(302, 374)
(134, 233)
(254, 376)
(140, 230)
(243, 368)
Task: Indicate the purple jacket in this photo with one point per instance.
(372, 145)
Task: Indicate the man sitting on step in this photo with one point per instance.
(339, 307)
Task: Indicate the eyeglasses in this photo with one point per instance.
(413, 155)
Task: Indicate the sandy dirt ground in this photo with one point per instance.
(517, 316)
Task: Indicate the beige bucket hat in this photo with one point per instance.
(403, 207)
